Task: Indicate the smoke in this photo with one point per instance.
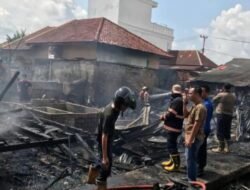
(10, 115)
(6, 124)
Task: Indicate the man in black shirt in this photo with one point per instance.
(173, 121)
(124, 98)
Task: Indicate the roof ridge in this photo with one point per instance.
(27, 37)
(98, 33)
(149, 43)
(39, 34)
(207, 59)
(52, 28)
(199, 58)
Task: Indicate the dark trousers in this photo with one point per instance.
(191, 156)
(223, 128)
(202, 155)
(104, 172)
(172, 142)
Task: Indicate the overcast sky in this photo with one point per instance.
(228, 19)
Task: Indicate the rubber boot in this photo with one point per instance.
(175, 165)
(220, 147)
(101, 187)
(226, 149)
(168, 162)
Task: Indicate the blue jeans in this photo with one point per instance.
(191, 158)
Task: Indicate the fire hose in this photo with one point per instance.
(169, 186)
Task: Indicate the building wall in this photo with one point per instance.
(66, 51)
(117, 55)
(136, 12)
(86, 51)
(109, 77)
(62, 70)
(156, 34)
(99, 80)
(104, 8)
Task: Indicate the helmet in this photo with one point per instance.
(144, 88)
(125, 96)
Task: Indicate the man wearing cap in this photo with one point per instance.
(173, 121)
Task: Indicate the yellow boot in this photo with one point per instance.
(175, 165)
(168, 162)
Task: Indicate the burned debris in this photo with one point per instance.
(48, 139)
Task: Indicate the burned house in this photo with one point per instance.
(188, 63)
(99, 53)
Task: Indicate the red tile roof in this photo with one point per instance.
(21, 43)
(98, 30)
(193, 59)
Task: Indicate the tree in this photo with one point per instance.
(17, 35)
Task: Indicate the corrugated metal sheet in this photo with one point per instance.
(235, 72)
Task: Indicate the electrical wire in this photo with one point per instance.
(218, 52)
(232, 40)
(190, 38)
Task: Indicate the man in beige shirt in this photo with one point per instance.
(194, 132)
(225, 102)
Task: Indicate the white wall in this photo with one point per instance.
(104, 8)
(135, 12)
(158, 35)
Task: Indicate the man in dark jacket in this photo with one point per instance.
(173, 121)
(124, 98)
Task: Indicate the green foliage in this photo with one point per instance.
(17, 35)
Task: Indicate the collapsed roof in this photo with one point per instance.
(235, 72)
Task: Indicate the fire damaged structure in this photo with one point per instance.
(49, 142)
(89, 50)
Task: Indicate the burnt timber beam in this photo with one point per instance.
(43, 143)
(34, 132)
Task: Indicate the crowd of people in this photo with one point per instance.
(190, 112)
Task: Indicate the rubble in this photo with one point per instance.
(56, 154)
(243, 117)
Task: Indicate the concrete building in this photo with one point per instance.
(135, 16)
(98, 52)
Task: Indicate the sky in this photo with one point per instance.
(228, 20)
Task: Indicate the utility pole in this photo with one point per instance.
(204, 42)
